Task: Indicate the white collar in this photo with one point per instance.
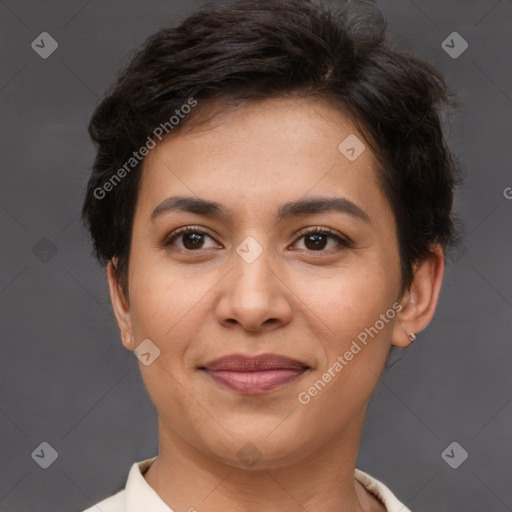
(139, 495)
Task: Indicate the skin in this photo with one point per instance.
(293, 300)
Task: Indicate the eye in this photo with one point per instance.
(317, 239)
(191, 238)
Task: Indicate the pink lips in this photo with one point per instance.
(254, 375)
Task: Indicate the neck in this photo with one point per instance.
(186, 478)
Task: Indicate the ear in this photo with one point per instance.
(120, 304)
(420, 301)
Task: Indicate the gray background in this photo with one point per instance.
(65, 378)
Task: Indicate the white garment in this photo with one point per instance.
(139, 496)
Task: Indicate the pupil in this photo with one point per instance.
(192, 239)
(317, 241)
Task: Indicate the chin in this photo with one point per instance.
(257, 450)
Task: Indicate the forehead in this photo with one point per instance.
(264, 154)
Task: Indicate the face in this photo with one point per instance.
(307, 284)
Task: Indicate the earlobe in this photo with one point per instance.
(420, 301)
(120, 303)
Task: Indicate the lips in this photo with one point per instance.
(254, 375)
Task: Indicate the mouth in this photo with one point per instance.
(254, 375)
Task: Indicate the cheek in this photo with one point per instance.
(158, 299)
(352, 313)
(170, 305)
(351, 298)
(354, 351)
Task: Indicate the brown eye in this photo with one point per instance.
(322, 240)
(315, 241)
(191, 239)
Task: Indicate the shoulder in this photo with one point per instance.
(381, 491)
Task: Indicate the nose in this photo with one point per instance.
(254, 297)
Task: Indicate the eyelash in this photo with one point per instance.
(343, 242)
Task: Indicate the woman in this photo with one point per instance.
(272, 197)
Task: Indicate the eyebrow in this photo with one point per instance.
(286, 211)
